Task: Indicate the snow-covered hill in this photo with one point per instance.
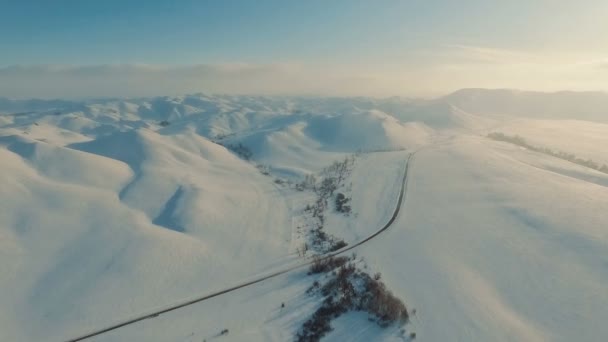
(112, 208)
(590, 106)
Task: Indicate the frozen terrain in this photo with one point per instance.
(114, 208)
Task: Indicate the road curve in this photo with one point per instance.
(157, 313)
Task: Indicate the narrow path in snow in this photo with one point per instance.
(157, 313)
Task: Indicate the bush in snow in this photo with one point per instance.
(348, 288)
(327, 187)
(321, 241)
(324, 265)
(264, 169)
(342, 203)
(339, 169)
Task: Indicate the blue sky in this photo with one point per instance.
(365, 40)
(182, 32)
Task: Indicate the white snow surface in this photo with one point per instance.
(106, 214)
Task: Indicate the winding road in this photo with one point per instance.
(157, 313)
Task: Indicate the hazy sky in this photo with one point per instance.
(332, 47)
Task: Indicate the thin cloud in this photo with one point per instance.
(133, 80)
(601, 64)
(481, 54)
(145, 80)
(458, 66)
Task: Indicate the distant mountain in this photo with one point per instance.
(29, 105)
(450, 111)
(591, 106)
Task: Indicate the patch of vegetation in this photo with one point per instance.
(326, 186)
(324, 265)
(347, 288)
(331, 178)
(222, 136)
(334, 178)
(517, 140)
(341, 203)
(309, 183)
(241, 150)
(264, 169)
(337, 245)
(325, 243)
(164, 123)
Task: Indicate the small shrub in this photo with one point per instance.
(319, 324)
(164, 123)
(383, 304)
(302, 250)
(341, 203)
(337, 244)
(264, 169)
(314, 287)
(321, 241)
(326, 264)
(221, 136)
(327, 187)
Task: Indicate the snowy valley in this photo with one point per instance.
(115, 208)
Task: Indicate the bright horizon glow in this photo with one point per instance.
(72, 49)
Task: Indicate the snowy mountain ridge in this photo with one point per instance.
(113, 208)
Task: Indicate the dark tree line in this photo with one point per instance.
(517, 140)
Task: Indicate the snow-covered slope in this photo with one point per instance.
(479, 251)
(112, 208)
(583, 138)
(125, 223)
(499, 244)
(255, 313)
(107, 212)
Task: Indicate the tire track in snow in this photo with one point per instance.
(157, 313)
